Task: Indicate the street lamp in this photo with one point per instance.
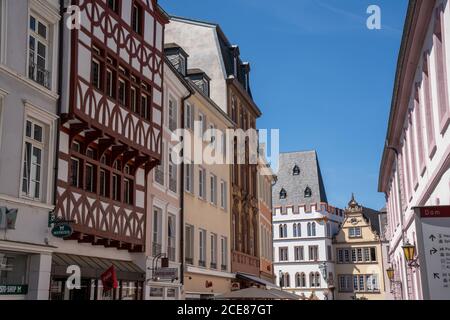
(409, 251)
(391, 275)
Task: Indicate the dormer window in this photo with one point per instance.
(296, 171)
(308, 192)
(182, 65)
(283, 194)
(200, 79)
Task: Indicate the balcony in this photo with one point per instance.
(39, 74)
(244, 263)
(156, 248)
(213, 265)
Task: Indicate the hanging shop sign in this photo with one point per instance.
(62, 230)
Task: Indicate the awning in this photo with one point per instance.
(249, 277)
(93, 267)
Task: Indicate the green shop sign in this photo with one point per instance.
(62, 230)
(13, 289)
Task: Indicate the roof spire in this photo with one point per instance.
(353, 203)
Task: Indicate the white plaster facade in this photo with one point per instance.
(321, 215)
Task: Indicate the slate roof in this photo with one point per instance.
(295, 186)
(374, 217)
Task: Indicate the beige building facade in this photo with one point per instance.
(359, 256)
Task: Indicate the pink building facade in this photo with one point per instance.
(415, 168)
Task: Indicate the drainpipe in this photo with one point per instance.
(183, 101)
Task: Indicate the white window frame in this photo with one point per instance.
(48, 120)
(189, 245)
(202, 242)
(202, 183)
(224, 252)
(189, 117)
(172, 172)
(33, 173)
(172, 111)
(41, 9)
(213, 248)
(189, 177)
(202, 124)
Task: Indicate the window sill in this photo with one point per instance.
(27, 201)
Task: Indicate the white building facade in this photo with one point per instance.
(28, 106)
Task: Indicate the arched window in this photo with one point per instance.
(287, 280)
(296, 171)
(285, 231)
(281, 231)
(312, 280)
(298, 280)
(308, 192)
(303, 280)
(313, 229)
(309, 229)
(299, 230)
(317, 280)
(295, 230)
(283, 194)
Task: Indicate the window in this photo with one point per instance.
(145, 112)
(122, 92)
(313, 253)
(173, 123)
(104, 179)
(364, 283)
(188, 117)
(159, 170)
(134, 100)
(345, 283)
(32, 160)
(75, 172)
(353, 255)
(313, 229)
(308, 229)
(285, 280)
(96, 74)
(172, 174)
(283, 254)
(110, 83)
(294, 230)
(171, 237)
(189, 176)
(116, 187)
(202, 248)
(213, 251)
(38, 52)
(223, 195)
(283, 194)
(299, 253)
(308, 192)
(340, 256)
(329, 253)
(213, 189)
(359, 254)
(355, 232)
(189, 244)
(113, 5)
(136, 18)
(296, 171)
(328, 230)
(224, 253)
(347, 255)
(373, 254)
(312, 280)
(202, 183)
(90, 178)
(128, 191)
(156, 231)
(317, 280)
(201, 124)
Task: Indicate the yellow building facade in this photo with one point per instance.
(206, 199)
(359, 258)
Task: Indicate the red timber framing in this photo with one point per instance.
(111, 132)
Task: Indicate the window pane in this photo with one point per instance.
(37, 133)
(28, 129)
(42, 30)
(32, 23)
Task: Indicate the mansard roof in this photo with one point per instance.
(295, 185)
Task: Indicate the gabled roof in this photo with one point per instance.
(295, 185)
(374, 218)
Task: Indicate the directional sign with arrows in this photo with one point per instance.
(433, 251)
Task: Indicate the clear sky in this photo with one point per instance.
(320, 76)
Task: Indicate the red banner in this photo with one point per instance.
(109, 279)
(434, 212)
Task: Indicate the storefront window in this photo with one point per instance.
(129, 290)
(171, 293)
(13, 269)
(156, 292)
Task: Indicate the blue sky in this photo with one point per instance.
(320, 76)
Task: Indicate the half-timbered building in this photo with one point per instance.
(110, 139)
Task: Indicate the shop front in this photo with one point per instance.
(129, 285)
(13, 275)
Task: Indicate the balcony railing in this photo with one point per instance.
(39, 74)
(213, 265)
(156, 248)
(224, 267)
(189, 260)
(171, 253)
(201, 263)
